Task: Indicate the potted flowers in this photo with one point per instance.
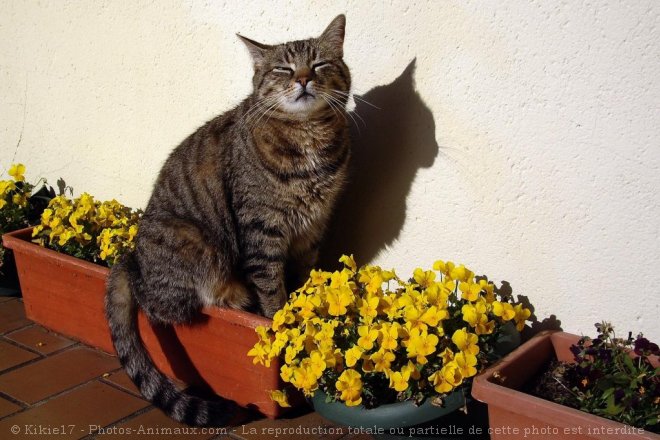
(358, 341)
(563, 384)
(84, 228)
(64, 261)
(63, 268)
(20, 206)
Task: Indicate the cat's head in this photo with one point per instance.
(300, 78)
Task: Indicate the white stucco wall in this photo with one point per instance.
(530, 135)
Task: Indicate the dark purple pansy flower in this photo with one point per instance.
(644, 347)
(618, 395)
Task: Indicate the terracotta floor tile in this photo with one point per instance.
(40, 339)
(10, 355)
(12, 316)
(92, 404)
(154, 423)
(121, 379)
(57, 373)
(7, 407)
(309, 426)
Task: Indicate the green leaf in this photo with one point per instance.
(608, 392)
(627, 360)
(612, 408)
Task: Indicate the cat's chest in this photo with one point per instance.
(308, 201)
(291, 149)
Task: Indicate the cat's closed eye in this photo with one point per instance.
(320, 65)
(283, 70)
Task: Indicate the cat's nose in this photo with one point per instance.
(303, 76)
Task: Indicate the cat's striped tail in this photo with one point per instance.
(121, 311)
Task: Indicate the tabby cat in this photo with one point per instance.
(238, 209)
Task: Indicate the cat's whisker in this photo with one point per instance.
(264, 105)
(350, 114)
(333, 107)
(273, 108)
(256, 108)
(336, 103)
(358, 98)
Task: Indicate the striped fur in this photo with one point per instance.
(238, 209)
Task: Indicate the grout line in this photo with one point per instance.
(14, 400)
(117, 386)
(17, 329)
(24, 406)
(124, 419)
(6, 339)
(74, 343)
(11, 332)
(66, 391)
(35, 360)
(23, 364)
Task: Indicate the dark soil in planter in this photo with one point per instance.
(551, 384)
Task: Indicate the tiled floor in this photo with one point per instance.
(53, 386)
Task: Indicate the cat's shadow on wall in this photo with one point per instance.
(393, 136)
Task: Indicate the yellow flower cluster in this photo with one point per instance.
(367, 337)
(11, 191)
(89, 229)
(14, 199)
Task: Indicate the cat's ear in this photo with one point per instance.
(333, 35)
(257, 50)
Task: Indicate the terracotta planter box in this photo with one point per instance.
(515, 415)
(66, 295)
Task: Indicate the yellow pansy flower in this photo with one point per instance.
(469, 291)
(305, 379)
(349, 262)
(368, 307)
(432, 316)
(339, 279)
(412, 370)
(399, 380)
(286, 373)
(350, 386)
(319, 277)
(317, 362)
(368, 336)
(447, 378)
(282, 317)
(338, 300)
(447, 356)
(476, 314)
(420, 344)
(466, 341)
(17, 171)
(423, 278)
(444, 267)
(6, 186)
(388, 336)
(382, 360)
(503, 310)
(521, 316)
(466, 363)
(353, 355)
(280, 397)
(461, 273)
